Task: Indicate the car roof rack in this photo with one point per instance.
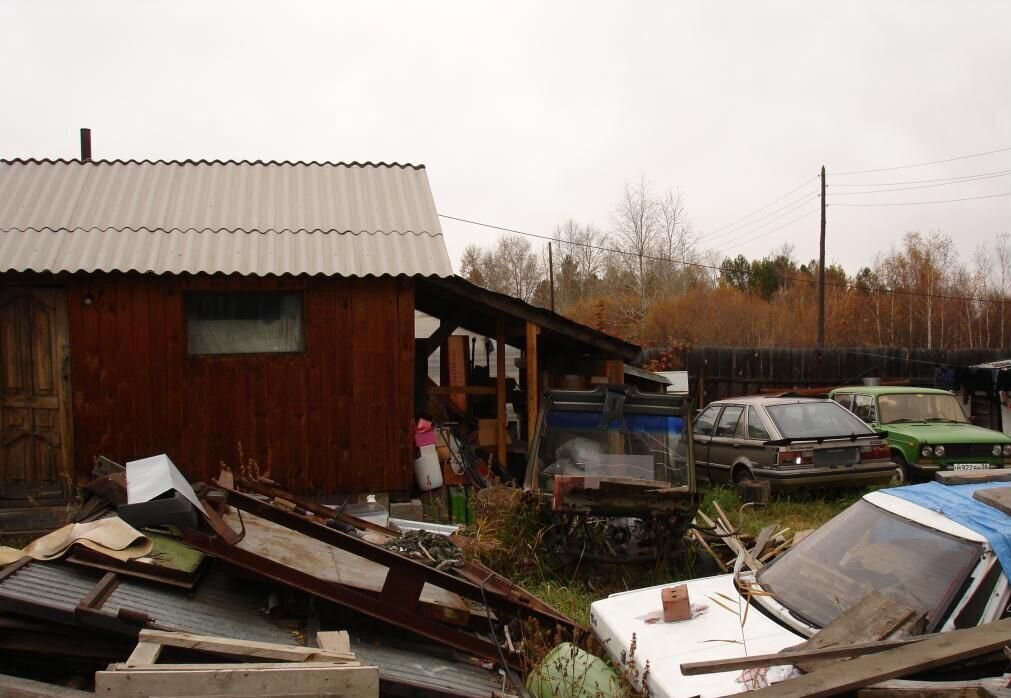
(972, 477)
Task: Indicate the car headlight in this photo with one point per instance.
(996, 449)
(939, 451)
(927, 451)
(1007, 451)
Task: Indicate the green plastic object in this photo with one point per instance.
(470, 505)
(569, 672)
(458, 505)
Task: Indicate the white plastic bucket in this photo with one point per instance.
(427, 470)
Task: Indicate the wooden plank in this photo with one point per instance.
(240, 648)
(146, 652)
(242, 680)
(400, 472)
(532, 369)
(461, 390)
(762, 540)
(969, 477)
(17, 687)
(706, 547)
(998, 497)
(199, 666)
(875, 617)
(899, 688)
(938, 650)
(334, 641)
(791, 657)
(500, 393)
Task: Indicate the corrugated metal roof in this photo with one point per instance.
(252, 218)
(219, 606)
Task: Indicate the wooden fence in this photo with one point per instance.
(719, 372)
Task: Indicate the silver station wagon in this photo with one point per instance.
(789, 441)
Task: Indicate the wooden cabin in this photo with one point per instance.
(211, 309)
(190, 307)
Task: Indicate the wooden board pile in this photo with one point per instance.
(724, 541)
(869, 646)
(276, 671)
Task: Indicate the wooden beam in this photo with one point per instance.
(242, 648)
(435, 340)
(146, 652)
(899, 688)
(933, 651)
(461, 389)
(500, 392)
(241, 680)
(17, 687)
(757, 661)
(334, 640)
(533, 369)
(615, 372)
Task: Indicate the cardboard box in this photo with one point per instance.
(487, 433)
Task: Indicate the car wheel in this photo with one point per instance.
(901, 475)
(742, 474)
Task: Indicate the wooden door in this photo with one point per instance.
(35, 443)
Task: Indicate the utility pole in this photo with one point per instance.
(551, 276)
(821, 268)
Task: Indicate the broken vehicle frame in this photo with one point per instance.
(579, 504)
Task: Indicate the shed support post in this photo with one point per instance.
(533, 371)
(615, 372)
(500, 392)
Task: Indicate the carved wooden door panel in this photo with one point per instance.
(35, 445)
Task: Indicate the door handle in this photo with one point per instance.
(737, 445)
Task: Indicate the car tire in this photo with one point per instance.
(743, 474)
(901, 476)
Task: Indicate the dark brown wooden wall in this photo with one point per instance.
(336, 418)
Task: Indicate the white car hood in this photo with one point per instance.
(713, 632)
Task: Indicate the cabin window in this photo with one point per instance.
(244, 323)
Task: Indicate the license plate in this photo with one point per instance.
(970, 466)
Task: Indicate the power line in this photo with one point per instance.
(939, 201)
(921, 186)
(922, 164)
(782, 211)
(775, 201)
(770, 232)
(920, 181)
(753, 230)
(700, 265)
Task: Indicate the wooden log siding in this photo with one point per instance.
(336, 418)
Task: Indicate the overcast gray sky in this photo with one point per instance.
(528, 113)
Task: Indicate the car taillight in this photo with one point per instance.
(796, 457)
(875, 452)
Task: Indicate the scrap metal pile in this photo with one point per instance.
(246, 561)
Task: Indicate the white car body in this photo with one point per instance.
(716, 630)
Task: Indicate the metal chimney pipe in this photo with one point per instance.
(85, 145)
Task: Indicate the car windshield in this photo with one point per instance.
(864, 549)
(808, 419)
(639, 446)
(920, 407)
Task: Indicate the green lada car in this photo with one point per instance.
(927, 430)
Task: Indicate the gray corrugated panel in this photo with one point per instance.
(229, 217)
(444, 676)
(227, 252)
(50, 583)
(220, 606)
